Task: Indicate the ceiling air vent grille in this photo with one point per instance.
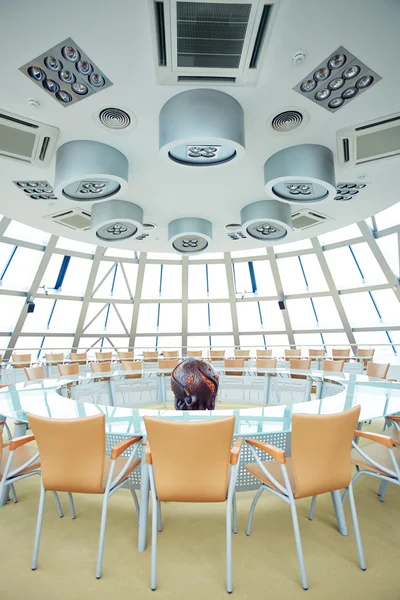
(76, 219)
(303, 219)
(221, 41)
(27, 140)
(369, 142)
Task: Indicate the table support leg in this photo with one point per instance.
(144, 502)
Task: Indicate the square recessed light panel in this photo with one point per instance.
(66, 73)
(36, 190)
(349, 191)
(338, 79)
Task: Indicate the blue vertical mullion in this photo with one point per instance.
(13, 251)
(252, 277)
(62, 272)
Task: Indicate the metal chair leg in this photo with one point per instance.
(382, 490)
(312, 508)
(228, 549)
(13, 493)
(135, 499)
(159, 517)
(252, 508)
(102, 535)
(234, 512)
(298, 545)
(338, 506)
(356, 528)
(38, 527)
(58, 505)
(71, 505)
(154, 545)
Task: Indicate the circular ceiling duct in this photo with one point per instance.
(267, 220)
(202, 128)
(87, 171)
(190, 235)
(303, 173)
(116, 220)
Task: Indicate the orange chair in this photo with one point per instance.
(168, 363)
(68, 369)
(292, 354)
(230, 363)
(333, 365)
(340, 354)
(132, 365)
(150, 356)
(369, 352)
(314, 353)
(377, 370)
(195, 353)
(263, 353)
(192, 462)
(320, 462)
(242, 354)
(217, 354)
(73, 455)
(300, 363)
(100, 367)
(79, 357)
(265, 363)
(171, 353)
(21, 360)
(33, 373)
(126, 355)
(103, 356)
(54, 358)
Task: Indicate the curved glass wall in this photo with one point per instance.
(339, 289)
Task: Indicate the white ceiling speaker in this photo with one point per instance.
(190, 235)
(267, 220)
(116, 220)
(303, 173)
(87, 171)
(202, 128)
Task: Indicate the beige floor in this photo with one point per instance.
(192, 554)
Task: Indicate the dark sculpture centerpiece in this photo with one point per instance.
(194, 383)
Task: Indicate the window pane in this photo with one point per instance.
(5, 254)
(264, 278)
(198, 342)
(10, 308)
(209, 255)
(223, 342)
(51, 274)
(27, 234)
(65, 315)
(220, 317)
(339, 235)
(360, 309)
(343, 278)
(170, 318)
(272, 316)
(372, 272)
(369, 339)
(114, 324)
(151, 281)
(292, 278)
(144, 343)
(30, 344)
(198, 317)
(120, 287)
(294, 246)
(217, 283)
(197, 281)
(67, 244)
(57, 344)
(328, 316)
(390, 249)
(241, 276)
(171, 285)
(164, 255)
(301, 314)
(147, 321)
(388, 217)
(388, 306)
(313, 272)
(248, 253)
(121, 252)
(170, 342)
(22, 269)
(37, 321)
(251, 342)
(336, 339)
(77, 276)
(308, 340)
(248, 316)
(278, 342)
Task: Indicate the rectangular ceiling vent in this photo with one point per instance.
(25, 139)
(76, 219)
(210, 42)
(305, 218)
(370, 141)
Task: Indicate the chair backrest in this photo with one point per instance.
(68, 369)
(195, 353)
(54, 357)
(190, 460)
(333, 365)
(365, 352)
(377, 369)
(219, 354)
(171, 353)
(263, 353)
(312, 352)
(300, 363)
(103, 355)
(79, 357)
(321, 449)
(150, 356)
(33, 373)
(336, 353)
(21, 358)
(242, 354)
(292, 353)
(265, 363)
(132, 365)
(168, 363)
(126, 355)
(100, 367)
(72, 453)
(229, 363)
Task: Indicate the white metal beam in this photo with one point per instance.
(137, 299)
(281, 295)
(185, 299)
(232, 298)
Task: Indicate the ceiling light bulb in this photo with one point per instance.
(308, 85)
(360, 186)
(335, 102)
(84, 67)
(67, 76)
(336, 83)
(51, 86)
(322, 94)
(337, 61)
(96, 80)
(364, 82)
(79, 88)
(295, 191)
(292, 186)
(349, 93)
(351, 72)
(70, 53)
(340, 197)
(322, 74)
(63, 96)
(305, 188)
(36, 73)
(52, 63)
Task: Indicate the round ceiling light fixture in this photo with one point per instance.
(116, 220)
(87, 171)
(202, 128)
(303, 173)
(267, 220)
(190, 235)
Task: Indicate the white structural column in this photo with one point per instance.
(232, 298)
(381, 260)
(334, 293)
(185, 299)
(137, 299)
(47, 254)
(88, 295)
(4, 223)
(278, 284)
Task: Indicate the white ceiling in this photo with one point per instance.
(117, 37)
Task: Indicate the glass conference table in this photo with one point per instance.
(271, 423)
